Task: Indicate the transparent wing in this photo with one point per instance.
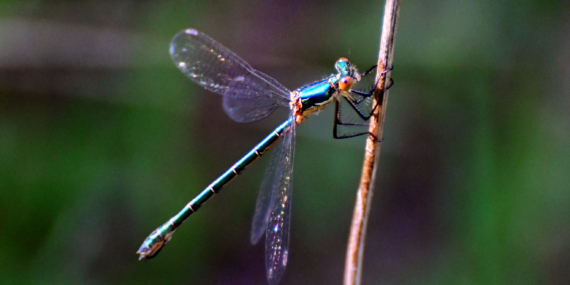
(247, 110)
(277, 232)
(263, 203)
(217, 69)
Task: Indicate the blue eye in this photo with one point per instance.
(342, 65)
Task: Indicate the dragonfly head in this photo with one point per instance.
(347, 73)
(343, 66)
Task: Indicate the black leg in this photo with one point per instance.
(359, 112)
(368, 71)
(339, 122)
(368, 94)
(355, 102)
(371, 92)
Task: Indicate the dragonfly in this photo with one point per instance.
(250, 95)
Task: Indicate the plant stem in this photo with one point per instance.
(353, 264)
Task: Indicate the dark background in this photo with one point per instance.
(102, 139)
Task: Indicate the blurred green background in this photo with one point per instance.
(102, 139)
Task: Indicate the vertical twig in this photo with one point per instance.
(353, 265)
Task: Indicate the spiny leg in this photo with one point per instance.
(339, 122)
(355, 102)
(371, 92)
(368, 71)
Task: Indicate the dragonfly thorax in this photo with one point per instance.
(314, 97)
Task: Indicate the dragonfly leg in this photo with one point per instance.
(374, 67)
(363, 116)
(365, 95)
(338, 122)
(369, 93)
(368, 71)
(355, 102)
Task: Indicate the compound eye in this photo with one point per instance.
(345, 83)
(342, 65)
(342, 60)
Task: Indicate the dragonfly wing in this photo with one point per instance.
(246, 110)
(263, 204)
(217, 69)
(277, 232)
